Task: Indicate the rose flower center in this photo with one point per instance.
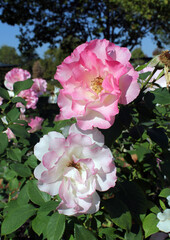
(75, 165)
(96, 84)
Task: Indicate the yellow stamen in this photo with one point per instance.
(96, 84)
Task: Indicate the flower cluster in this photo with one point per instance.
(95, 78)
(75, 168)
(31, 95)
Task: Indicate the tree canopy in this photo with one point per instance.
(8, 55)
(53, 21)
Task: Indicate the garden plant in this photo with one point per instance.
(89, 160)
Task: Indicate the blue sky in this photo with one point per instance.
(8, 37)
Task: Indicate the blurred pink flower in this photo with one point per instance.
(1, 100)
(75, 168)
(39, 86)
(95, 78)
(9, 133)
(35, 124)
(15, 75)
(30, 97)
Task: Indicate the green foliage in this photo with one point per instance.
(139, 142)
(22, 85)
(70, 22)
(55, 226)
(16, 218)
(3, 142)
(119, 213)
(52, 58)
(149, 224)
(81, 233)
(136, 58)
(4, 93)
(8, 55)
(35, 195)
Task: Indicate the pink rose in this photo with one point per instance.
(39, 86)
(15, 75)
(1, 100)
(75, 168)
(35, 124)
(95, 78)
(30, 97)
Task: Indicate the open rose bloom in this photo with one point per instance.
(95, 78)
(75, 167)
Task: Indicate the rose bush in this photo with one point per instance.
(95, 78)
(76, 171)
(75, 168)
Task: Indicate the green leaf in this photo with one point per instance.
(149, 224)
(48, 206)
(39, 223)
(108, 232)
(154, 61)
(165, 193)
(141, 67)
(23, 197)
(19, 130)
(56, 226)
(35, 195)
(9, 174)
(13, 114)
(21, 169)
(32, 161)
(143, 76)
(4, 93)
(162, 204)
(14, 154)
(141, 151)
(81, 233)
(3, 142)
(2, 204)
(16, 218)
(119, 213)
(158, 136)
(13, 184)
(22, 85)
(19, 99)
(154, 209)
(133, 196)
(162, 96)
(134, 236)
